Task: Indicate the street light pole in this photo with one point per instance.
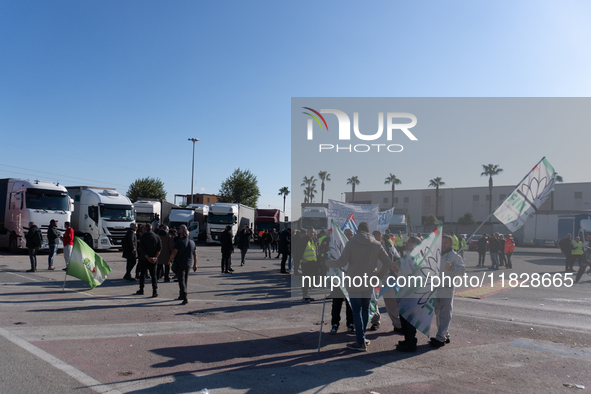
(193, 166)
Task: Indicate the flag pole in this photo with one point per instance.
(322, 320)
(65, 277)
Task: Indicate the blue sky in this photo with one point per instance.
(103, 93)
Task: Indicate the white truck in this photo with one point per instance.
(190, 217)
(153, 210)
(224, 214)
(398, 222)
(24, 201)
(101, 215)
(315, 216)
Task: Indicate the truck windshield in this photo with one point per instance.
(394, 229)
(220, 219)
(117, 213)
(144, 217)
(314, 222)
(264, 226)
(54, 200)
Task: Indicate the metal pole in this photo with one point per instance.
(193, 166)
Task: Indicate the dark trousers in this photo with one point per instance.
(243, 255)
(481, 256)
(226, 261)
(283, 261)
(335, 313)
(410, 332)
(509, 263)
(569, 262)
(310, 269)
(163, 270)
(33, 257)
(130, 264)
(146, 266)
(183, 274)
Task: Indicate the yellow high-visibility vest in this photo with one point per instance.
(577, 248)
(456, 243)
(398, 242)
(310, 252)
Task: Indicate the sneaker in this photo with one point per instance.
(334, 329)
(351, 328)
(447, 340)
(139, 292)
(51, 268)
(404, 346)
(398, 331)
(374, 327)
(367, 342)
(360, 347)
(436, 343)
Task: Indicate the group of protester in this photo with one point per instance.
(271, 241)
(575, 251)
(375, 254)
(157, 254)
(34, 240)
(500, 250)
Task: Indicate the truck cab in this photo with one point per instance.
(315, 217)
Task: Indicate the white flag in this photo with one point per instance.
(529, 195)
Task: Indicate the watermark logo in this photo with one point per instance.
(391, 124)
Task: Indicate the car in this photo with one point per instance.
(473, 245)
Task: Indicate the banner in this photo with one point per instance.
(86, 265)
(529, 195)
(384, 219)
(416, 299)
(340, 212)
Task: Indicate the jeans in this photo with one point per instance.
(33, 257)
(52, 253)
(360, 309)
(494, 258)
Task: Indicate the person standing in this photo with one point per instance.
(244, 242)
(509, 249)
(285, 249)
(583, 266)
(129, 244)
(408, 330)
(578, 253)
(337, 303)
(34, 242)
(309, 261)
(361, 253)
(150, 247)
(68, 241)
(52, 242)
(227, 249)
(274, 238)
(482, 246)
(452, 266)
(167, 247)
(183, 253)
(494, 248)
(566, 247)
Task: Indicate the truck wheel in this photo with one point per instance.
(12, 244)
(88, 240)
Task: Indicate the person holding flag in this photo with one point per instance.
(361, 253)
(408, 330)
(451, 265)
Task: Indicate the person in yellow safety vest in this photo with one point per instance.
(578, 251)
(463, 245)
(323, 245)
(455, 242)
(309, 262)
(398, 242)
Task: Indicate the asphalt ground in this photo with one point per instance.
(243, 333)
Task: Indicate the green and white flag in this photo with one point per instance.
(416, 298)
(86, 265)
(529, 195)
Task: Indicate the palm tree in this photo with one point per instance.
(309, 184)
(436, 182)
(558, 179)
(324, 176)
(284, 191)
(312, 191)
(353, 181)
(490, 170)
(394, 181)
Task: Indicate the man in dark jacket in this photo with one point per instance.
(129, 244)
(34, 241)
(285, 248)
(566, 247)
(150, 247)
(494, 247)
(244, 242)
(183, 253)
(482, 245)
(52, 242)
(227, 249)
